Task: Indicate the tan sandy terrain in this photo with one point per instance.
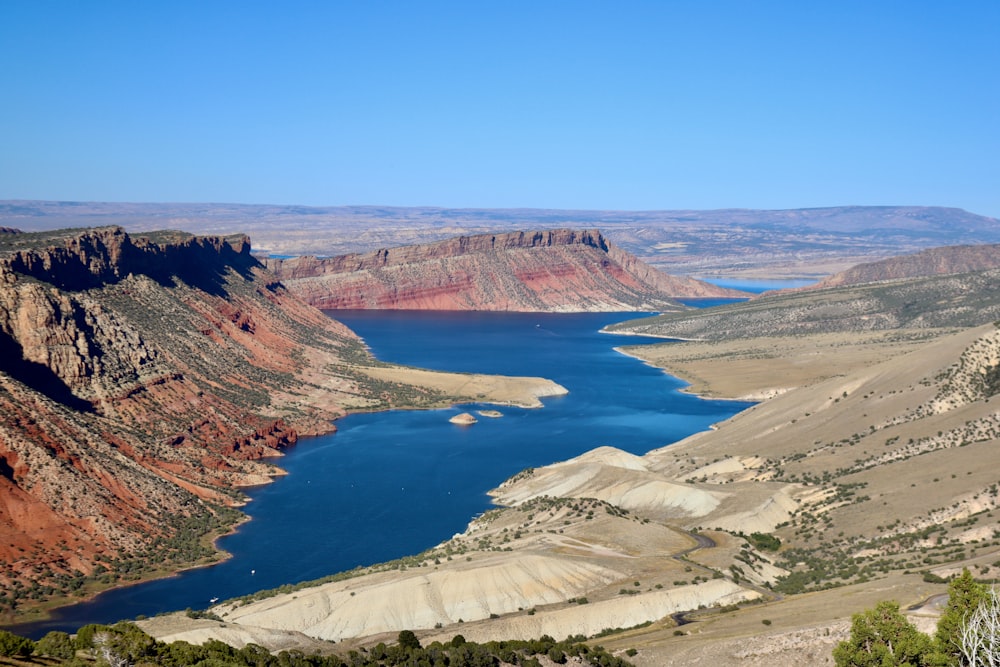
(803, 630)
(520, 391)
(758, 368)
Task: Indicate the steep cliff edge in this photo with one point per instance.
(142, 382)
(550, 271)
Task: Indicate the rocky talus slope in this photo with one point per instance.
(143, 381)
(548, 271)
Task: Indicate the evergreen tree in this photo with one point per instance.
(56, 644)
(882, 637)
(14, 645)
(408, 640)
(964, 596)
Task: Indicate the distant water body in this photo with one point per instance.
(758, 286)
(391, 484)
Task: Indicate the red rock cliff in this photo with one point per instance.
(557, 270)
(142, 382)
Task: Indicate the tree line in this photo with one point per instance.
(125, 644)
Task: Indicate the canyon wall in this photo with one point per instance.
(143, 381)
(548, 271)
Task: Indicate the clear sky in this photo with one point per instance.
(614, 105)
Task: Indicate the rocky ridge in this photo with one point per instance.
(549, 271)
(143, 381)
(935, 261)
(921, 303)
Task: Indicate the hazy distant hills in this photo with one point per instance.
(544, 271)
(733, 242)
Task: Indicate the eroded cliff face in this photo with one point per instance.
(142, 382)
(549, 271)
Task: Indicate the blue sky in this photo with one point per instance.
(613, 105)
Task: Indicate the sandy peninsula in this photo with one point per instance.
(755, 369)
(524, 392)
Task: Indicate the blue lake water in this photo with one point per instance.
(760, 285)
(390, 484)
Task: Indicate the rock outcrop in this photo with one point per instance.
(134, 380)
(143, 381)
(549, 271)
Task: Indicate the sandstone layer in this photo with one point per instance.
(548, 271)
(143, 381)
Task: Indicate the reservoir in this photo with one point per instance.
(392, 484)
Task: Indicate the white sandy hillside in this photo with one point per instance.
(696, 498)
(775, 507)
(391, 602)
(623, 612)
(178, 627)
(611, 475)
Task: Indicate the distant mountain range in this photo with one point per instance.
(813, 242)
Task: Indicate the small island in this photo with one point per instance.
(492, 414)
(464, 419)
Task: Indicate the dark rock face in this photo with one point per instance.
(108, 255)
(556, 270)
(142, 382)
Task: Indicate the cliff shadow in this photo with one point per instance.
(36, 376)
(202, 267)
(203, 263)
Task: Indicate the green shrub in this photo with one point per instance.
(12, 645)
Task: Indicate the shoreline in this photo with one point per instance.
(522, 392)
(689, 388)
(46, 615)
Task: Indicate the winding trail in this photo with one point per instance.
(705, 542)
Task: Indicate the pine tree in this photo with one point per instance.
(882, 637)
(964, 597)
